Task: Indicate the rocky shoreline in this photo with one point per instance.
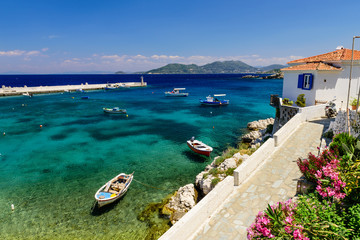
(185, 198)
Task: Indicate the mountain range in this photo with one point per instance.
(214, 68)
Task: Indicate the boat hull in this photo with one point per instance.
(201, 152)
(167, 94)
(221, 103)
(111, 111)
(108, 197)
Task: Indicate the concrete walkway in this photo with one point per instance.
(274, 182)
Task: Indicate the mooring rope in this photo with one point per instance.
(146, 184)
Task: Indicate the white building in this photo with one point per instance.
(323, 77)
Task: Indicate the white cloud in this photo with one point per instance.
(32, 53)
(12, 53)
(44, 49)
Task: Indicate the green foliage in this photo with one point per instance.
(301, 100)
(343, 141)
(205, 175)
(353, 102)
(352, 217)
(320, 219)
(269, 128)
(215, 181)
(215, 171)
(329, 134)
(230, 172)
(228, 153)
(287, 102)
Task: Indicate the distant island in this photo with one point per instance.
(213, 68)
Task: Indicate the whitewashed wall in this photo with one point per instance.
(291, 91)
(336, 85)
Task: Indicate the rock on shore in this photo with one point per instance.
(184, 199)
(256, 137)
(260, 124)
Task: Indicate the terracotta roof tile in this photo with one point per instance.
(312, 66)
(338, 55)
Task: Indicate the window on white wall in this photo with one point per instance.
(305, 81)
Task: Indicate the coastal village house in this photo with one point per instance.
(323, 77)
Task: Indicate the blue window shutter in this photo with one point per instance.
(310, 82)
(301, 81)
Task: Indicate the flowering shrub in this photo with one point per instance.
(329, 182)
(310, 166)
(277, 220)
(332, 212)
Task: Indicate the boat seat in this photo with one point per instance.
(112, 191)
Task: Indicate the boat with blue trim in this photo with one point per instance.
(113, 189)
(215, 100)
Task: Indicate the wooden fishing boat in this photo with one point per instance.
(199, 147)
(115, 110)
(113, 189)
(214, 100)
(176, 93)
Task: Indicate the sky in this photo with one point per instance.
(48, 36)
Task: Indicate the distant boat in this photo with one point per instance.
(214, 100)
(199, 147)
(176, 93)
(79, 90)
(113, 189)
(124, 86)
(110, 87)
(27, 94)
(115, 110)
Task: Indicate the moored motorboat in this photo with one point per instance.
(115, 110)
(199, 147)
(113, 189)
(176, 93)
(215, 100)
(110, 87)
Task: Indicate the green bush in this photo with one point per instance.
(287, 102)
(214, 171)
(343, 142)
(215, 181)
(301, 100)
(320, 219)
(353, 102)
(269, 128)
(230, 171)
(329, 134)
(352, 217)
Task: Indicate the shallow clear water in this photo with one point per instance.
(51, 173)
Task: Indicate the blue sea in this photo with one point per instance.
(51, 173)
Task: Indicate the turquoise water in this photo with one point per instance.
(51, 174)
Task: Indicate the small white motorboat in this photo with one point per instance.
(199, 147)
(115, 110)
(176, 93)
(113, 189)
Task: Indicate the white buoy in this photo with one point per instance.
(12, 207)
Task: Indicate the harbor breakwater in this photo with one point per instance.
(13, 91)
